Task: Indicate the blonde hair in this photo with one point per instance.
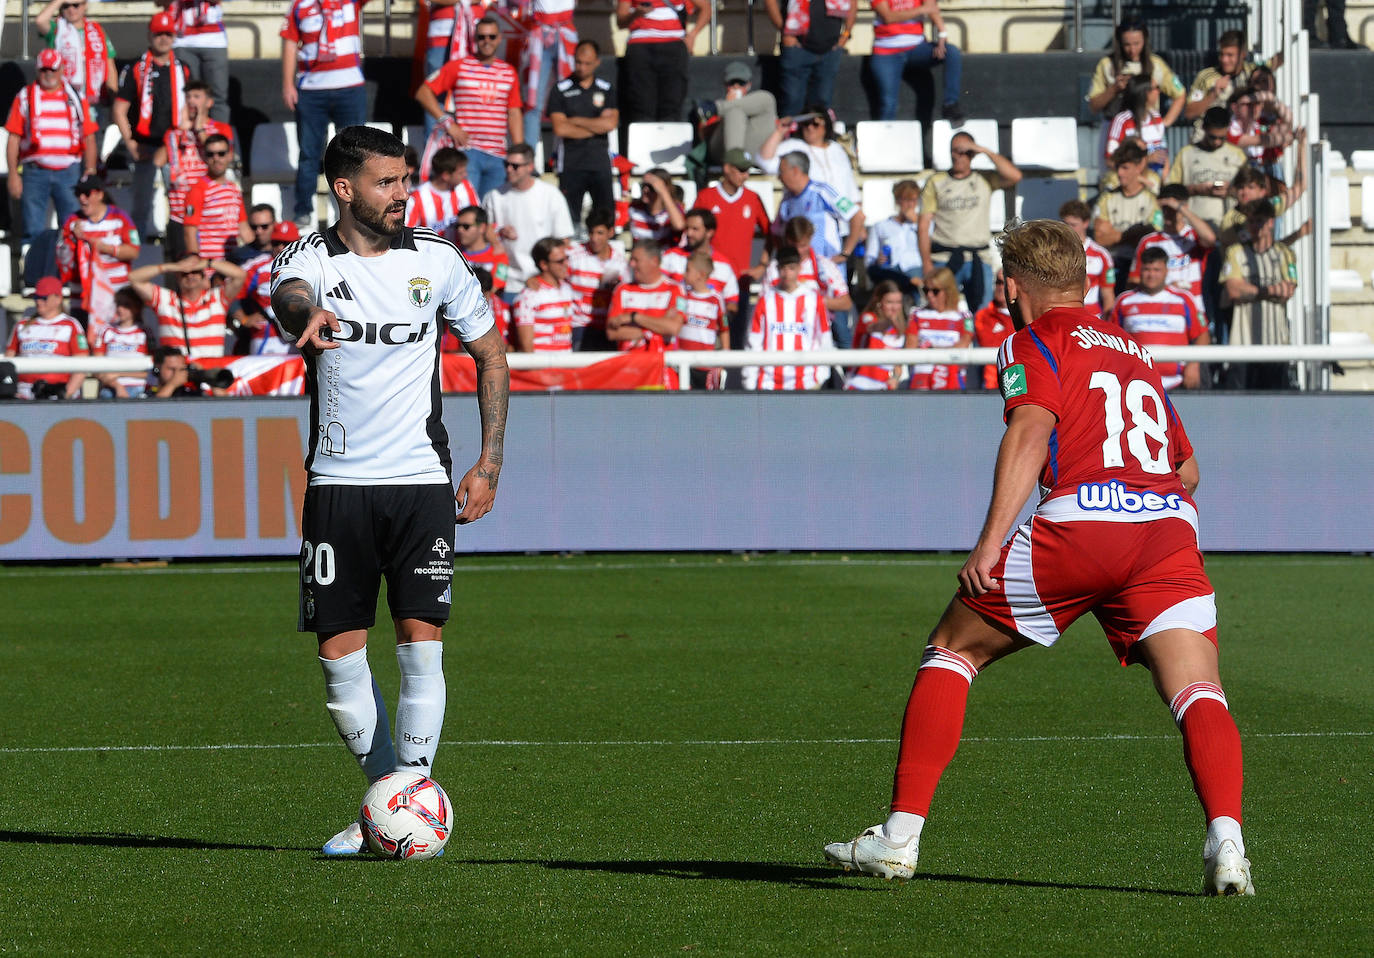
(944, 278)
(904, 188)
(1043, 253)
(700, 260)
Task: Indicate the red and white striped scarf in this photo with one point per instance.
(798, 22)
(76, 111)
(462, 42)
(328, 8)
(95, 52)
(532, 56)
(143, 73)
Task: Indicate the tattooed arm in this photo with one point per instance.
(294, 303)
(477, 491)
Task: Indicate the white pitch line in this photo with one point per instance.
(660, 743)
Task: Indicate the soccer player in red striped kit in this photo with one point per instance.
(1114, 533)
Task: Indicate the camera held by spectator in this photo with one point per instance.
(177, 377)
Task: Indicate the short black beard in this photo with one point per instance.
(374, 219)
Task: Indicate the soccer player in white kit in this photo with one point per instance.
(366, 299)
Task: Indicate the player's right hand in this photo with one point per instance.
(318, 328)
(976, 576)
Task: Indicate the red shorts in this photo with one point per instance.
(1137, 578)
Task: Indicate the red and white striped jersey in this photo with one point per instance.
(898, 37)
(482, 93)
(875, 377)
(200, 22)
(722, 278)
(215, 208)
(1101, 272)
(703, 317)
(59, 336)
(494, 260)
(549, 12)
(645, 224)
(187, 168)
(329, 57)
(788, 322)
(817, 272)
(937, 329)
(202, 332)
(594, 280)
(1186, 258)
(550, 311)
(1168, 318)
(123, 341)
(656, 300)
(74, 255)
(439, 209)
(1124, 126)
(661, 23)
(55, 138)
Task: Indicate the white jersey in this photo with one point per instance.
(375, 409)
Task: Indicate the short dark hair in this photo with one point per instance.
(596, 47)
(479, 214)
(788, 256)
(218, 138)
(1154, 254)
(446, 160)
(708, 219)
(483, 278)
(193, 85)
(263, 208)
(126, 297)
(600, 216)
(1260, 209)
(544, 249)
(523, 149)
(1250, 176)
(1128, 152)
(1076, 208)
(1231, 38)
(1216, 118)
(796, 229)
(1174, 191)
(353, 146)
(161, 353)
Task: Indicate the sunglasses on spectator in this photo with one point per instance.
(216, 152)
(514, 166)
(964, 152)
(466, 226)
(262, 226)
(72, 6)
(931, 290)
(47, 69)
(488, 36)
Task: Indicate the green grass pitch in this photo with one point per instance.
(646, 754)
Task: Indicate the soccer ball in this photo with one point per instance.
(406, 816)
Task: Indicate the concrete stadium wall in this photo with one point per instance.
(665, 472)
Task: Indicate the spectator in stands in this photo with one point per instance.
(1129, 57)
(882, 325)
(51, 141)
(49, 332)
(88, 56)
(546, 309)
(322, 80)
(992, 325)
(1337, 34)
(97, 238)
(818, 273)
(172, 376)
(1251, 183)
(583, 111)
(479, 249)
(439, 200)
(940, 324)
(1185, 238)
(814, 34)
(449, 27)
(705, 318)
(486, 119)
(657, 214)
(203, 46)
(596, 267)
(647, 313)
(789, 316)
(1140, 120)
(195, 316)
(893, 249)
(185, 145)
(151, 100)
(699, 237)
(812, 133)
(262, 218)
(839, 221)
(500, 314)
(547, 57)
(746, 117)
(1124, 214)
(258, 333)
(1262, 126)
(1215, 86)
(740, 218)
(954, 215)
(216, 219)
(1159, 313)
(902, 45)
(656, 52)
(124, 337)
(1259, 276)
(1207, 167)
(1101, 290)
(523, 210)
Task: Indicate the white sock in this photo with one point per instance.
(1219, 830)
(902, 825)
(355, 704)
(420, 709)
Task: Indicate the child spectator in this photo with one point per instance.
(1101, 291)
(882, 325)
(656, 215)
(439, 200)
(940, 324)
(126, 337)
(705, 322)
(789, 317)
(893, 250)
(1124, 214)
(596, 268)
(1207, 167)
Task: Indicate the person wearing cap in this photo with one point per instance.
(88, 56)
(747, 116)
(258, 333)
(49, 332)
(151, 100)
(51, 140)
(740, 218)
(583, 111)
(202, 44)
(97, 237)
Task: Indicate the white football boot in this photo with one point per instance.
(1227, 871)
(875, 854)
(347, 842)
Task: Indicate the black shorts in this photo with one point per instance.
(353, 535)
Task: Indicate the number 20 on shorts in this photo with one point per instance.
(317, 563)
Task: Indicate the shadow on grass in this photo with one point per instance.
(122, 840)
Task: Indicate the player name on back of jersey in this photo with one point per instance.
(1087, 338)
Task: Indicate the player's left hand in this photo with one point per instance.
(976, 576)
(477, 492)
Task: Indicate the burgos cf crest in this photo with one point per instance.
(420, 291)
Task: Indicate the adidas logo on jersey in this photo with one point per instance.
(341, 291)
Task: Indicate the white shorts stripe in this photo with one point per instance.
(1198, 613)
(1033, 620)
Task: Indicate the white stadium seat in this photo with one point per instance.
(660, 144)
(1363, 160)
(689, 193)
(275, 152)
(889, 146)
(997, 210)
(878, 203)
(984, 133)
(768, 193)
(1346, 281)
(1335, 160)
(1366, 202)
(1338, 202)
(1045, 143)
(6, 271)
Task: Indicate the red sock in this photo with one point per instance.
(1211, 747)
(931, 728)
